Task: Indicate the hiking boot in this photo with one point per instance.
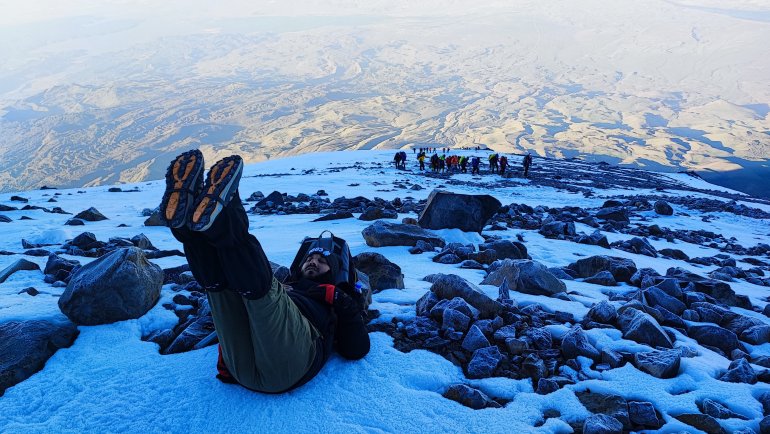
(184, 180)
(221, 184)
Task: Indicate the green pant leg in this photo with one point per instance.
(231, 320)
(282, 338)
(267, 344)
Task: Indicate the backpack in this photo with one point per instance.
(337, 246)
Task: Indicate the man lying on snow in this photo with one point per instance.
(270, 339)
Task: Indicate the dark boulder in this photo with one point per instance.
(602, 424)
(617, 214)
(196, 329)
(382, 273)
(603, 278)
(534, 278)
(641, 327)
(470, 397)
(557, 229)
(19, 265)
(375, 213)
(597, 238)
(469, 213)
(655, 297)
(506, 249)
(449, 286)
(610, 405)
(714, 336)
(660, 364)
(484, 362)
(381, 234)
(702, 422)
(335, 216)
(575, 343)
(602, 312)
(272, 200)
(663, 208)
(120, 285)
(717, 410)
(739, 371)
(643, 413)
(622, 269)
(91, 215)
(25, 346)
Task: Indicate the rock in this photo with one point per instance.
(643, 413)
(575, 343)
(622, 269)
(475, 339)
(484, 362)
(504, 291)
(660, 364)
(469, 213)
(714, 336)
(470, 397)
(597, 238)
(602, 312)
(381, 234)
(375, 213)
(153, 219)
(674, 254)
(557, 229)
(90, 215)
(339, 215)
(142, 242)
(603, 278)
(534, 278)
(540, 338)
(19, 265)
(84, 241)
(720, 291)
(702, 422)
(663, 208)
(196, 329)
(641, 275)
(272, 200)
(120, 285)
(382, 273)
(508, 272)
(641, 327)
(654, 297)
(505, 249)
(546, 386)
(59, 267)
(533, 367)
(612, 358)
(455, 320)
(756, 335)
(602, 424)
(26, 345)
(617, 214)
(610, 405)
(717, 410)
(449, 286)
(30, 291)
(421, 328)
(5, 219)
(739, 371)
(764, 425)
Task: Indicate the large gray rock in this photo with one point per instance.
(382, 273)
(602, 424)
(618, 214)
(470, 397)
(643, 413)
(714, 336)
(655, 297)
(382, 233)
(20, 265)
(721, 291)
(120, 285)
(663, 208)
(660, 364)
(484, 362)
(602, 312)
(449, 286)
(25, 346)
(505, 249)
(533, 277)
(739, 371)
(641, 327)
(91, 215)
(621, 268)
(611, 405)
(575, 343)
(445, 210)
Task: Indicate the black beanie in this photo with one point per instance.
(331, 259)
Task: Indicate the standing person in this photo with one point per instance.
(421, 159)
(503, 164)
(464, 164)
(434, 163)
(270, 340)
(527, 162)
(475, 163)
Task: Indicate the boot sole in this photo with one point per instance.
(179, 196)
(222, 178)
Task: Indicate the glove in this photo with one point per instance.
(343, 304)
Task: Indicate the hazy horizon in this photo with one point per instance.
(103, 92)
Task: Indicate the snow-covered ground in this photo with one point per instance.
(112, 381)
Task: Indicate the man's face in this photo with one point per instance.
(315, 265)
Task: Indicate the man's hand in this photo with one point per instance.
(339, 297)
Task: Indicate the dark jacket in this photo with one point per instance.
(344, 332)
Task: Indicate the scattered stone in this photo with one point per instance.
(470, 397)
(120, 285)
(383, 274)
(643, 413)
(660, 364)
(335, 216)
(714, 336)
(663, 208)
(484, 362)
(602, 312)
(475, 339)
(446, 210)
(717, 410)
(19, 265)
(603, 278)
(90, 215)
(702, 422)
(739, 371)
(641, 327)
(602, 424)
(26, 345)
(449, 286)
(381, 234)
(610, 405)
(575, 343)
(622, 269)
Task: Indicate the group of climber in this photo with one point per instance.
(454, 163)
